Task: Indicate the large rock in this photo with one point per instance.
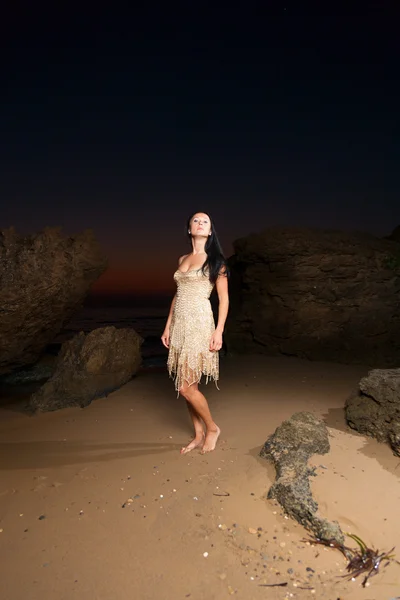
(290, 448)
(321, 295)
(395, 235)
(375, 410)
(44, 279)
(88, 367)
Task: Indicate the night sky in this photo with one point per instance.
(127, 123)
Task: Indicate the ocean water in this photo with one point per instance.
(147, 316)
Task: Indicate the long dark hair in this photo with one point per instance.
(215, 264)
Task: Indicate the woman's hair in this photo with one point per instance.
(216, 262)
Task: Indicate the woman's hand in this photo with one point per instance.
(216, 341)
(165, 337)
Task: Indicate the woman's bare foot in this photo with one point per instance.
(210, 442)
(197, 442)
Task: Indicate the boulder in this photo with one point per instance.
(375, 410)
(90, 366)
(395, 235)
(319, 295)
(289, 448)
(44, 279)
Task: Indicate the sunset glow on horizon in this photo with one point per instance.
(133, 282)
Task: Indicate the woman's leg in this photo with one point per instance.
(200, 407)
(198, 439)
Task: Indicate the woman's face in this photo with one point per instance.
(200, 225)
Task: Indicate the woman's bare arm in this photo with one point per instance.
(165, 335)
(221, 286)
(171, 310)
(223, 298)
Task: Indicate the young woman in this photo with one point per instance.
(190, 333)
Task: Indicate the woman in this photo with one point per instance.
(190, 333)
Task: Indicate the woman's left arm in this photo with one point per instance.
(221, 286)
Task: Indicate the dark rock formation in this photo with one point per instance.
(375, 411)
(290, 448)
(44, 279)
(88, 367)
(321, 295)
(40, 371)
(395, 235)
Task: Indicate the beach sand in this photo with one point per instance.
(65, 477)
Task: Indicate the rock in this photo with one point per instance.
(319, 295)
(375, 410)
(41, 370)
(44, 279)
(289, 448)
(88, 367)
(395, 235)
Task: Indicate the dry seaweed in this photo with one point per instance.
(362, 560)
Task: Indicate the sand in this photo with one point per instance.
(66, 476)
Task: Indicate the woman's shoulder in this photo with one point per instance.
(182, 258)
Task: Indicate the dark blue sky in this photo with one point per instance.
(126, 123)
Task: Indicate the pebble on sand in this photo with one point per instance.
(127, 502)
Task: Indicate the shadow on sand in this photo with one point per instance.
(47, 454)
(379, 451)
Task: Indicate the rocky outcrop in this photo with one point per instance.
(290, 448)
(395, 235)
(40, 371)
(88, 367)
(375, 410)
(321, 295)
(44, 279)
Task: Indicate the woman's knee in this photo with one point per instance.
(183, 390)
(187, 391)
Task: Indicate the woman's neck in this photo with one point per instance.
(198, 246)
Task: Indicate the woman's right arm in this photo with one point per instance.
(171, 310)
(165, 335)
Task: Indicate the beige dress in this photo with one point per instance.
(192, 326)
